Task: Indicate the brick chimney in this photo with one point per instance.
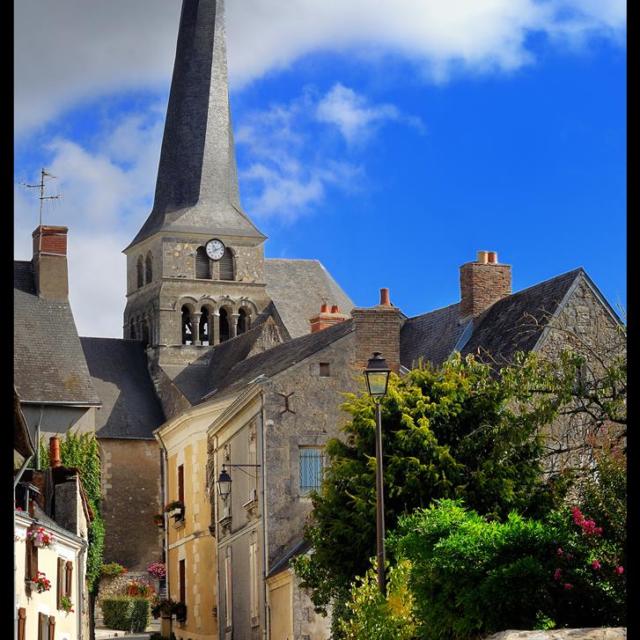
(378, 329)
(55, 459)
(482, 283)
(327, 317)
(50, 262)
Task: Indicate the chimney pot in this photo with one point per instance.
(384, 297)
(54, 452)
(483, 257)
(334, 309)
(492, 257)
(324, 308)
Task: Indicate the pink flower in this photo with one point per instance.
(596, 565)
(557, 574)
(567, 586)
(559, 551)
(619, 570)
(578, 518)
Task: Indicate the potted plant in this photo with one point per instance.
(158, 520)
(39, 583)
(180, 611)
(39, 536)
(175, 509)
(157, 570)
(163, 608)
(66, 604)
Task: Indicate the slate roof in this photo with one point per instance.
(506, 327)
(293, 551)
(199, 377)
(516, 322)
(49, 364)
(130, 407)
(298, 288)
(278, 358)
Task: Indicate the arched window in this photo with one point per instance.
(149, 268)
(203, 264)
(226, 266)
(225, 332)
(205, 324)
(140, 272)
(243, 320)
(187, 332)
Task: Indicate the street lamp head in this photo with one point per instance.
(224, 484)
(377, 376)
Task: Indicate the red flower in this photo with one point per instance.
(596, 565)
(557, 574)
(619, 570)
(578, 518)
(568, 586)
(559, 551)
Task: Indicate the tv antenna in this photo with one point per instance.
(41, 186)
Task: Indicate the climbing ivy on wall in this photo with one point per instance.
(81, 451)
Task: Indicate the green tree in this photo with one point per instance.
(82, 452)
(462, 430)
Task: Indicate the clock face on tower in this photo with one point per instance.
(215, 249)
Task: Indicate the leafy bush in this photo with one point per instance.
(112, 569)
(165, 606)
(471, 576)
(126, 613)
(370, 615)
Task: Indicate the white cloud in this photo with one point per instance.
(71, 50)
(354, 116)
(106, 196)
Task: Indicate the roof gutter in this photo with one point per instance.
(63, 403)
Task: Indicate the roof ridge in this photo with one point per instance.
(537, 284)
(426, 313)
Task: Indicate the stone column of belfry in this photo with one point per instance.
(215, 321)
(195, 323)
(233, 326)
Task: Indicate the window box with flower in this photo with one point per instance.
(175, 510)
(39, 583)
(66, 605)
(157, 570)
(39, 536)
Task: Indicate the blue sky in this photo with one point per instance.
(388, 148)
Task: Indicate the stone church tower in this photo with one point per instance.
(195, 270)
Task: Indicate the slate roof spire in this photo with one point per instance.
(197, 185)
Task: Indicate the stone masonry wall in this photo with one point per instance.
(131, 486)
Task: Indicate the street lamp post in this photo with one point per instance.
(377, 376)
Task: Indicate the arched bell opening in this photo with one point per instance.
(225, 325)
(187, 326)
(205, 327)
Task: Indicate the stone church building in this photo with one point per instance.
(233, 361)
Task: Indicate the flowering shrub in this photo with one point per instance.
(139, 589)
(40, 536)
(112, 569)
(157, 569)
(41, 582)
(471, 576)
(66, 604)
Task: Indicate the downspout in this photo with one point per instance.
(38, 437)
(80, 579)
(265, 555)
(217, 530)
(163, 471)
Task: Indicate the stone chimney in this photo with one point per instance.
(327, 317)
(378, 329)
(482, 283)
(50, 262)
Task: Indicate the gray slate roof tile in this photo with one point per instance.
(49, 364)
(130, 407)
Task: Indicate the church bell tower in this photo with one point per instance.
(195, 270)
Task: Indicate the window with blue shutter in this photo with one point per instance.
(311, 463)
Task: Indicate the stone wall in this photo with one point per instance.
(602, 633)
(132, 496)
